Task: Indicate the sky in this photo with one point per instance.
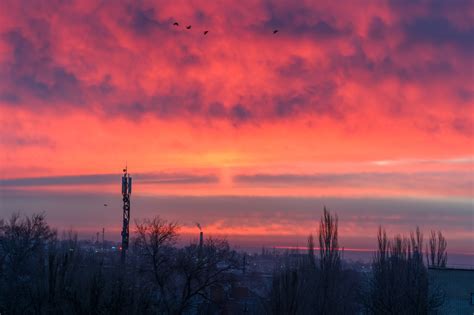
(365, 107)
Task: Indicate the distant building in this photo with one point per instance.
(458, 286)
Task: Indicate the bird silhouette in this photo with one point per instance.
(205, 32)
(275, 31)
(105, 205)
(176, 24)
(188, 27)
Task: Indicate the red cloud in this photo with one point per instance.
(128, 59)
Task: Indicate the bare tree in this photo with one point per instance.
(329, 264)
(42, 274)
(198, 269)
(23, 243)
(21, 237)
(399, 282)
(153, 242)
(288, 294)
(182, 277)
(436, 255)
(304, 287)
(330, 255)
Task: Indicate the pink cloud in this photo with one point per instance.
(128, 59)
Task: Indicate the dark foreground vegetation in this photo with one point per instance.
(42, 273)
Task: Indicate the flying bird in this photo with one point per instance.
(188, 27)
(275, 31)
(205, 32)
(176, 24)
(105, 205)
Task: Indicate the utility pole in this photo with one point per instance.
(126, 192)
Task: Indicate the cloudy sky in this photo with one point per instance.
(363, 106)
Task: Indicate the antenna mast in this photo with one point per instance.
(126, 192)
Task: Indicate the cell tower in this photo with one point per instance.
(126, 192)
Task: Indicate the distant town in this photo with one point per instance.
(43, 272)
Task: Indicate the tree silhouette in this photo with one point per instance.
(399, 283)
(436, 255)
